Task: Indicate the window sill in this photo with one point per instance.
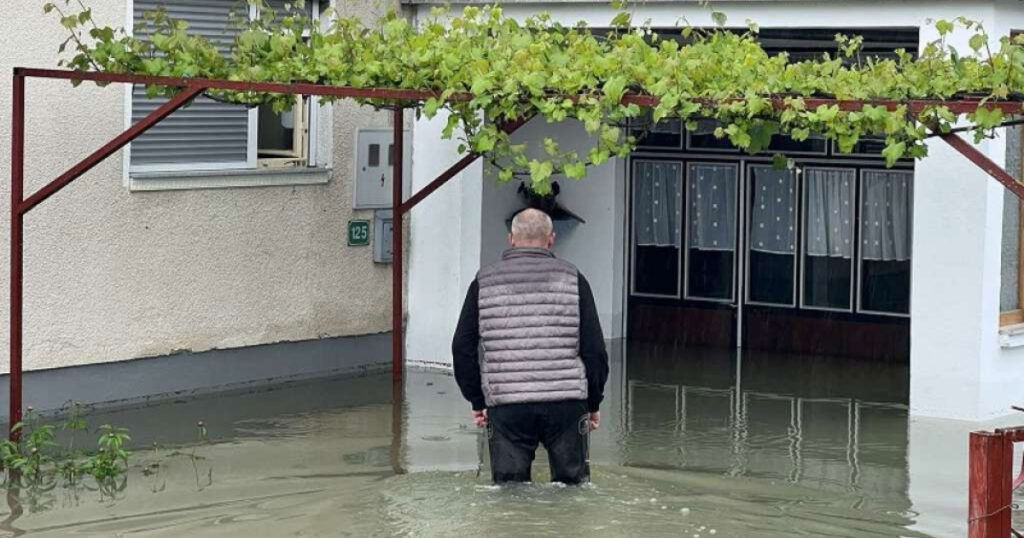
(1011, 336)
(223, 179)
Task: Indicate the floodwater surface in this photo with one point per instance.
(693, 443)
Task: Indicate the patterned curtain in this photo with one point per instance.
(657, 202)
(829, 194)
(712, 205)
(886, 215)
(773, 213)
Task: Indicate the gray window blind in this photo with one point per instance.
(207, 133)
(1009, 290)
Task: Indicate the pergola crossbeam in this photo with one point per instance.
(985, 163)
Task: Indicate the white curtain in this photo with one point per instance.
(773, 213)
(712, 206)
(829, 194)
(885, 215)
(657, 202)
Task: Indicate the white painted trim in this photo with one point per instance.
(252, 139)
(313, 106)
(742, 253)
(1011, 336)
(126, 155)
(171, 168)
(620, 254)
(213, 179)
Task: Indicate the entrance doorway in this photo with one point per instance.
(728, 250)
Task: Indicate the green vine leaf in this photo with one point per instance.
(538, 67)
(894, 152)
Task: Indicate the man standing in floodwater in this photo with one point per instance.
(530, 357)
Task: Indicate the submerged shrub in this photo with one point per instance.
(36, 459)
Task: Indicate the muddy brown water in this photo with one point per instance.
(694, 443)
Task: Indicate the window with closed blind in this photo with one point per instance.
(207, 134)
(211, 135)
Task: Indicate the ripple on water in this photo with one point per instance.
(626, 501)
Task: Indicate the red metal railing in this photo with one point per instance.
(991, 483)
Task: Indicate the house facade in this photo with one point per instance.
(692, 243)
(221, 228)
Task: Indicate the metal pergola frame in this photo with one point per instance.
(402, 99)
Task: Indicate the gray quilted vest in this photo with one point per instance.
(530, 329)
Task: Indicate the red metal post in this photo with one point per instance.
(17, 229)
(397, 362)
(20, 206)
(986, 164)
(990, 496)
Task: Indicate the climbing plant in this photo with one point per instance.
(537, 66)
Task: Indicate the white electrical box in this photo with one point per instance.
(382, 222)
(374, 157)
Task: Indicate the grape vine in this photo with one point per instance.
(539, 67)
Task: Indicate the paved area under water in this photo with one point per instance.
(694, 443)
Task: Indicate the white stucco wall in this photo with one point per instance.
(112, 275)
(444, 244)
(594, 247)
(958, 369)
(462, 226)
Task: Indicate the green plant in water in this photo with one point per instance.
(74, 422)
(35, 449)
(484, 68)
(111, 459)
(195, 458)
(36, 459)
(71, 465)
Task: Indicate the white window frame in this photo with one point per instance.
(860, 254)
(855, 188)
(198, 175)
(739, 165)
(632, 224)
(747, 202)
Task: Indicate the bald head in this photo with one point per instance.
(532, 228)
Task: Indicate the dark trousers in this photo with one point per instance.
(515, 430)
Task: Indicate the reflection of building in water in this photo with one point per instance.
(818, 422)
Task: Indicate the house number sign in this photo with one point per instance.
(358, 233)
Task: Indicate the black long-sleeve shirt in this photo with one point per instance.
(466, 346)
